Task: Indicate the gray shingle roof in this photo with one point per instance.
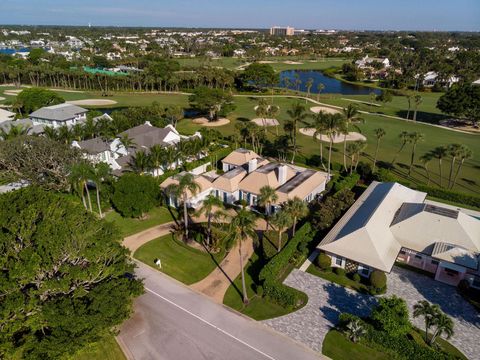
(61, 112)
(145, 136)
(94, 146)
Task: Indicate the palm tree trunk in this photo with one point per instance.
(88, 196)
(376, 153)
(84, 201)
(294, 225)
(330, 157)
(452, 166)
(279, 241)
(185, 215)
(345, 152)
(440, 170)
(209, 231)
(244, 288)
(456, 174)
(412, 159)
(98, 202)
(321, 153)
(398, 153)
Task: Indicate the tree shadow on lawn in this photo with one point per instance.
(342, 300)
(253, 269)
(422, 116)
(439, 293)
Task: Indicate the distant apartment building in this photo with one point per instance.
(282, 31)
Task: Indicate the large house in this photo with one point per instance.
(59, 115)
(390, 222)
(245, 173)
(367, 62)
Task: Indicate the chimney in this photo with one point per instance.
(252, 165)
(282, 174)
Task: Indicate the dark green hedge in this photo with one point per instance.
(270, 274)
(347, 182)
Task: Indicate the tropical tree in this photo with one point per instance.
(417, 99)
(126, 141)
(156, 158)
(242, 226)
(351, 116)
(140, 162)
(320, 122)
(335, 125)
(266, 198)
(405, 139)
(297, 114)
(415, 137)
(425, 160)
(186, 186)
(379, 134)
(354, 149)
(354, 330)
(296, 209)
(308, 85)
(429, 312)
(443, 325)
(455, 151)
(409, 102)
(272, 113)
(320, 88)
(281, 221)
(13, 132)
(212, 207)
(101, 172)
(261, 111)
(440, 152)
(173, 113)
(465, 154)
(80, 174)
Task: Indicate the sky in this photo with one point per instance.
(459, 15)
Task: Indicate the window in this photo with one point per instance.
(225, 197)
(338, 261)
(402, 252)
(434, 262)
(365, 271)
(419, 257)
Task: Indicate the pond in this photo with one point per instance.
(332, 85)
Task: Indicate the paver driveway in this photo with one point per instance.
(327, 300)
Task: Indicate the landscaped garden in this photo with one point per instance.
(388, 333)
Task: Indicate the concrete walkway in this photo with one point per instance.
(215, 285)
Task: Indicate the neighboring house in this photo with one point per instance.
(431, 78)
(26, 123)
(98, 150)
(246, 173)
(366, 62)
(59, 115)
(6, 115)
(390, 222)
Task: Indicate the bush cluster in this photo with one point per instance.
(324, 261)
(378, 280)
(269, 276)
(346, 182)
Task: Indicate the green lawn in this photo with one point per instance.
(107, 349)
(258, 308)
(129, 226)
(340, 280)
(179, 261)
(338, 347)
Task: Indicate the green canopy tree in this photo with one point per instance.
(266, 198)
(212, 102)
(391, 315)
(32, 99)
(462, 100)
(296, 209)
(213, 208)
(63, 285)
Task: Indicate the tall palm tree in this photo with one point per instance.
(429, 313)
(212, 207)
(405, 139)
(140, 162)
(127, 142)
(354, 149)
(308, 85)
(266, 198)
(281, 221)
(13, 132)
(440, 152)
(272, 113)
(80, 173)
(261, 111)
(417, 99)
(186, 184)
(425, 160)
(320, 125)
(455, 151)
(242, 226)
(297, 114)
(157, 158)
(351, 116)
(379, 134)
(415, 137)
(296, 209)
(335, 125)
(465, 154)
(320, 88)
(101, 172)
(443, 325)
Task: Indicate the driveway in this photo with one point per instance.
(327, 300)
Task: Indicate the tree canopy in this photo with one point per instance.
(261, 75)
(212, 101)
(462, 101)
(63, 283)
(32, 99)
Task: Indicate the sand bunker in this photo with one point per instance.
(268, 107)
(293, 62)
(2, 98)
(65, 90)
(12, 92)
(205, 122)
(266, 62)
(266, 122)
(92, 102)
(328, 110)
(352, 136)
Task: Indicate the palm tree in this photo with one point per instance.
(351, 116)
(354, 330)
(242, 227)
(140, 162)
(156, 158)
(209, 206)
(281, 221)
(126, 141)
(415, 137)
(262, 110)
(429, 313)
(335, 124)
(186, 184)
(409, 101)
(308, 85)
(455, 151)
(417, 100)
(297, 114)
(425, 160)
(354, 150)
(267, 196)
(296, 209)
(13, 132)
(405, 139)
(101, 172)
(443, 325)
(440, 152)
(465, 154)
(379, 134)
(80, 173)
(173, 113)
(320, 125)
(272, 113)
(320, 88)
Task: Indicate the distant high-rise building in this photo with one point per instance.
(282, 31)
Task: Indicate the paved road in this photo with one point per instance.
(172, 322)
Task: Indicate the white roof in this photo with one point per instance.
(6, 115)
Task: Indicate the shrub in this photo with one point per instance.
(346, 318)
(302, 248)
(347, 182)
(324, 261)
(270, 274)
(364, 170)
(259, 290)
(339, 271)
(391, 316)
(356, 277)
(378, 280)
(134, 195)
